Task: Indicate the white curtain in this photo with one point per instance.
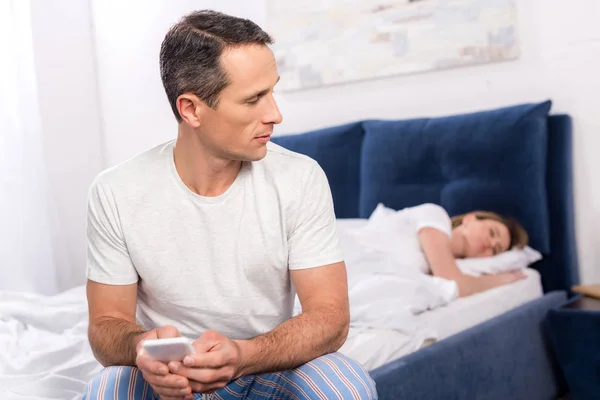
(27, 226)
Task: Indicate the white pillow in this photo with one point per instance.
(381, 214)
(510, 260)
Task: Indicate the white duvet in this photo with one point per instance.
(44, 352)
(382, 293)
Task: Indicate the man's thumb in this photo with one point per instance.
(207, 341)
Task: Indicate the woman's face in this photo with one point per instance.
(483, 237)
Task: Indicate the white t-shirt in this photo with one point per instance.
(393, 235)
(219, 263)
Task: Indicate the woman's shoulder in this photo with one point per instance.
(428, 209)
(430, 215)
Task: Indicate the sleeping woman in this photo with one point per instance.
(426, 238)
(403, 263)
(476, 234)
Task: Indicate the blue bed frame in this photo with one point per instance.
(507, 357)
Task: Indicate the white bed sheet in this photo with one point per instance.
(376, 347)
(44, 351)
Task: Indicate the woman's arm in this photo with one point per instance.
(436, 246)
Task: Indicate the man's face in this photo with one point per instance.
(242, 123)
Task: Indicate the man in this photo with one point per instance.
(209, 235)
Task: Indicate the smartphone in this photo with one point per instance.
(171, 349)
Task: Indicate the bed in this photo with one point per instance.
(489, 346)
(46, 354)
(514, 160)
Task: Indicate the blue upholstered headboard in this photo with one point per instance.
(514, 160)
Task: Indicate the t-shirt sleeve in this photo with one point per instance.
(108, 260)
(432, 216)
(313, 240)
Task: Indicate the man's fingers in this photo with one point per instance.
(166, 332)
(207, 341)
(170, 386)
(206, 375)
(168, 381)
(172, 392)
(213, 359)
(146, 363)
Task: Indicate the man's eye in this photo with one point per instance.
(492, 233)
(253, 101)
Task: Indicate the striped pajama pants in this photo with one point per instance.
(332, 376)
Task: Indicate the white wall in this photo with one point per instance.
(71, 123)
(560, 44)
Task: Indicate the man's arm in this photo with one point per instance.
(115, 338)
(321, 328)
(112, 331)
(323, 325)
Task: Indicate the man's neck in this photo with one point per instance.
(202, 172)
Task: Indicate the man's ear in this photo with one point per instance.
(190, 109)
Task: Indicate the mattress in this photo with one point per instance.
(376, 347)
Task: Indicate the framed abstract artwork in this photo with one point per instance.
(327, 42)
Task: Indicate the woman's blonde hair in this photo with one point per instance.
(518, 234)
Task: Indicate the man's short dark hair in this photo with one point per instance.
(191, 51)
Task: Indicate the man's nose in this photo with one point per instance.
(273, 115)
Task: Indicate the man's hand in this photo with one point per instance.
(169, 386)
(215, 364)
